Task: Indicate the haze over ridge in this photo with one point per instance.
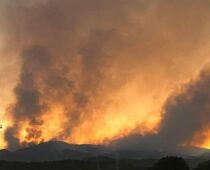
(97, 71)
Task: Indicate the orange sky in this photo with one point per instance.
(124, 58)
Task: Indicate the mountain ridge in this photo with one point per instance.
(59, 150)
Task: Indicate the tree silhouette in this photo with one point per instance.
(171, 163)
(203, 166)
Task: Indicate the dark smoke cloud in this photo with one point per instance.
(79, 54)
(38, 78)
(184, 114)
(187, 112)
(28, 104)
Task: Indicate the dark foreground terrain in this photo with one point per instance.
(57, 155)
(98, 164)
(104, 163)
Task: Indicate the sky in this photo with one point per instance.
(102, 71)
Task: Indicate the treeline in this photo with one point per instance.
(98, 163)
(178, 163)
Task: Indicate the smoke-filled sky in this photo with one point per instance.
(101, 71)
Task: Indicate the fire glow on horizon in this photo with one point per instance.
(98, 71)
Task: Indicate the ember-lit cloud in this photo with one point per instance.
(101, 71)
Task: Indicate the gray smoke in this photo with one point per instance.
(79, 54)
(37, 69)
(184, 114)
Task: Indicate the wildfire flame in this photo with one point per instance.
(93, 72)
(93, 130)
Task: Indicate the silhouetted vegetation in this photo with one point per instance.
(105, 163)
(94, 163)
(203, 166)
(171, 163)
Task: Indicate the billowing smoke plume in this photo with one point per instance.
(37, 77)
(185, 117)
(95, 71)
(187, 112)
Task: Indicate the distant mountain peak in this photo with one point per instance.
(60, 150)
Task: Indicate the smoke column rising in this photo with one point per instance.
(185, 119)
(96, 71)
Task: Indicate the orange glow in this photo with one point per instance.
(117, 122)
(125, 59)
(5, 122)
(201, 139)
(130, 112)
